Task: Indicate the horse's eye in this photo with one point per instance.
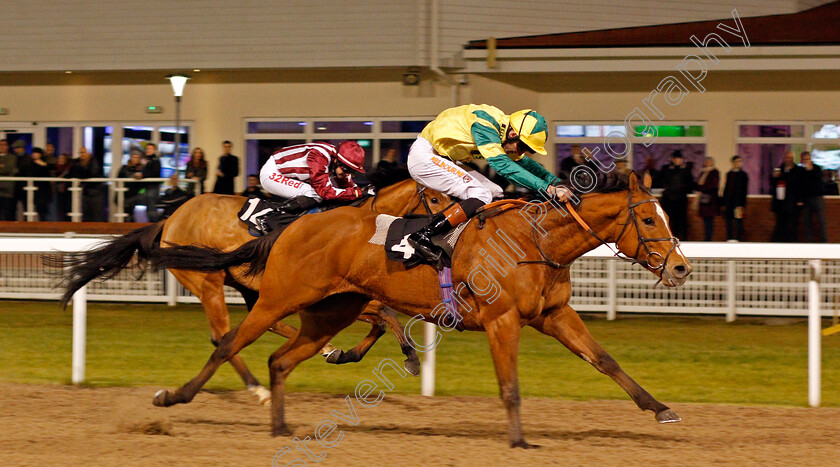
(648, 221)
(434, 201)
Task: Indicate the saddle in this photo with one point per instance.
(393, 232)
(263, 216)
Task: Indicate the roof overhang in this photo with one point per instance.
(641, 59)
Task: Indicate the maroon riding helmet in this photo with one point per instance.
(352, 155)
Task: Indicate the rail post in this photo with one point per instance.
(730, 291)
(427, 383)
(75, 200)
(79, 335)
(29, 212)
(171, 289)
(814, 337)
(612, 289)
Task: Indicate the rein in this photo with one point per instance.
(420, 192)
(642, 241)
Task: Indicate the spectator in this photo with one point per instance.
(24, 169)
(811, 198)
(151, 169)
(254, 189)
(197, 170)
(228, 170)
(784, 187)
(8, 168)
(650, 167)
(92, 199)
(577, 158)
(44, 192)
(132, 170)
(735, 200)
(62, 194)
(173, 197)
(49, 154)
(388, 171)
(677, 182)
(708, 186)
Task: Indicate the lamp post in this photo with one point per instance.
(178, 80)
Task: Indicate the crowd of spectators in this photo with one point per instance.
(797, 190)
(53, 200)
(797, 194)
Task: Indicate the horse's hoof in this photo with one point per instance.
(412, 367)
(334, 356)
(667, 416)
(523, 445)
(328, 349)
(163, 398)
(262, 393)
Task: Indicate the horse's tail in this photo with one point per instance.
(201, 258)
(107, 259)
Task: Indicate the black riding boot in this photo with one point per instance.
(440, 223)
(421, 240)
(297, 205)
(285, 213)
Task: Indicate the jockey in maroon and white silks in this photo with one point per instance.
(315, 170)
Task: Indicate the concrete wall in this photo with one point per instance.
(84, 35)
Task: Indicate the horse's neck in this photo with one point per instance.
(393, 199)
(567, 240)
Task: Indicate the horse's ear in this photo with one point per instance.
(634, 181)
(647, 180)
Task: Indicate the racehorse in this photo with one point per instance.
(212, 220)
(328, 281)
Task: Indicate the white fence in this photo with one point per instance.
(728, 279)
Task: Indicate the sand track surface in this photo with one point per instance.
(63, 425)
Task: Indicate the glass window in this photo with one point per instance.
(759, 161)
(167, 150)
(826, 131)
(344, 127)
(276, 127)
(62, 140)
(658, 155)
(671, 131)
(772, 131)
(259, 150)
(405, 126)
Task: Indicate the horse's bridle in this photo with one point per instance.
(642, 241)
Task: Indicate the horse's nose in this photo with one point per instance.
(681, 270)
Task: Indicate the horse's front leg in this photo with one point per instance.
(503, 333)
(564, 324)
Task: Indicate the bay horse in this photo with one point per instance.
(328, 281)
(212, 220)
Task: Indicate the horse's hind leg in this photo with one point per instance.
(357, 353)
(565, 325)
(319, 323)
(258, 321)
(412, 361)
(378, 315)
(209, 288)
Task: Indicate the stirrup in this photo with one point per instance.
(433, 255)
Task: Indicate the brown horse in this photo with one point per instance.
(328, 282)
(211, 220)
